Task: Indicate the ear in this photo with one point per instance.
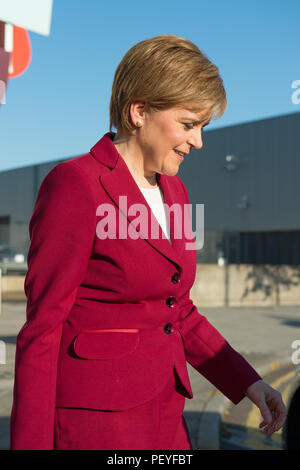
(137, 111)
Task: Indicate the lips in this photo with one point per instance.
(181, 157)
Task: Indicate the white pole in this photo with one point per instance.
(0, 291)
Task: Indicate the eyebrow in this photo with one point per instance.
(197, 122)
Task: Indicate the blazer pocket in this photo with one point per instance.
(106, 344)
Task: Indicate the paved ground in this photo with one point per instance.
(263, 335)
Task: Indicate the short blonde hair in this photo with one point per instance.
(165, 71)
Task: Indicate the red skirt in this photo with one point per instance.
(155, 425)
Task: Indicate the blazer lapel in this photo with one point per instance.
(118, 182)
(176, 219)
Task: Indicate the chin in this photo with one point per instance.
(171, 171)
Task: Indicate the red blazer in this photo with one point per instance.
(97, 309)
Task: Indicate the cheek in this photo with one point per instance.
(171, 136)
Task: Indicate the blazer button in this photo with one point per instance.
(175, 278)
(171, 302)
(168, 328)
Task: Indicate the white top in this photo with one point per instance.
(154, 197)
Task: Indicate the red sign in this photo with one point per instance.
(21, 53)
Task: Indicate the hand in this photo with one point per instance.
(270, 404)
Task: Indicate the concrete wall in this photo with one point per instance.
(229, 285)
(12, 288)
(246, 285)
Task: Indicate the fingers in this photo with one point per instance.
(273, 411)
(276, 423)
(268, 428)
(270, 404)
(265, 412)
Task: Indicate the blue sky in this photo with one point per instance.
(59, 107)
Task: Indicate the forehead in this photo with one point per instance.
(193, 114)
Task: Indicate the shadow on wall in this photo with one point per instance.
(279, 282)
(238, 285)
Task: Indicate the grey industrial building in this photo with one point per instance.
(247, 176)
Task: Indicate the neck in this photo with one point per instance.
(134, 159)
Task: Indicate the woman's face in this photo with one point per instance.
(165, 135)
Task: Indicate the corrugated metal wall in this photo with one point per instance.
(18, 190)
(251, 213)
(263, 193)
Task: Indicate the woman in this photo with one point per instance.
(101, 359)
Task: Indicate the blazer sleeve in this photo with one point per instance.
(61, 229)
(209, 352)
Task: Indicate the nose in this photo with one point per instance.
(195, 139)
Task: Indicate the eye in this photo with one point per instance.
(188, 125)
